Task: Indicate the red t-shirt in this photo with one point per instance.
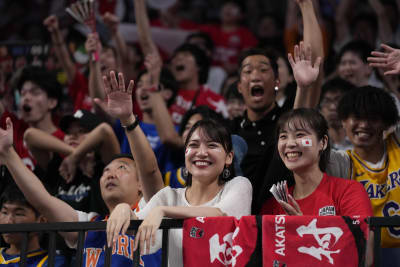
(184, 99)
(228, 45)
(333, 196)
(79, 92)
(19, 127)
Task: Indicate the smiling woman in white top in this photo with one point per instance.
(211, 191)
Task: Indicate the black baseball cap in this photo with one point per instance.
(85, 118)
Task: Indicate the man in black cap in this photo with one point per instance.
(88, 144)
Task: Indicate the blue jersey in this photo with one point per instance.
(163, 153)
(175, 179)
(122, 252)
(37, 258)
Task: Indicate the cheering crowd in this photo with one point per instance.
(200, 124)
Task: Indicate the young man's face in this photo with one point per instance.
(184, 67)
(257, 82)
(12, 213)
(230, 13)
(353, 69)
(143, 96)
(35, 104)
(364, 133)
(328, 108)
(119, 182)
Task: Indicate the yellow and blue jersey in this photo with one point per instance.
(37, 258)
(382, 184)
(174, 178)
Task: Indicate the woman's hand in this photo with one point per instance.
(147, 230)
(304, 72)
(118, 222)
(291, 208)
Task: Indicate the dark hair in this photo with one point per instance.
(368, 17)
(202, 61)
(232, 92)
(45, 79)
(204, 111)
(336, 85)
(167, 80)
(207, 39)
(361, 48)
(216, 132)
(307, 118)
(12, 194)
(368, 102)
(268, 53)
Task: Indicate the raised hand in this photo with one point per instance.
(146, 233)
(51, 22)
(389, 60)
(119, 98)
(303, 70)
(111, 21)
(6, 138)
(291, 208)
(93, 43)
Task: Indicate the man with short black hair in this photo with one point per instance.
(40, 95)
(16, 209)
(332, 92)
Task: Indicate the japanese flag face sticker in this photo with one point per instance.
(306, 142)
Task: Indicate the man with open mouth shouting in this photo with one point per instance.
(258, 83)
(40, 94)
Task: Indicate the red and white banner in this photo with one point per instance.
(219, 241)
(277, 240)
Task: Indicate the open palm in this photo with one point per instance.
(389, 60)
(305, 73)
(119, 98)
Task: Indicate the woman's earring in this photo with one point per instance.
(185, 173)
(276, 88)
(226, 173)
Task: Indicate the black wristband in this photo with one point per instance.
(132, 126)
